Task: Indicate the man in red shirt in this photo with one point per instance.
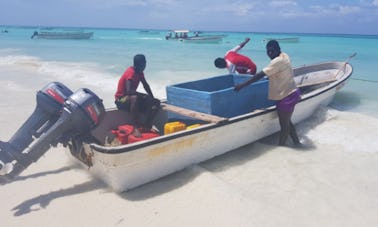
(236, 62)
(128, 99)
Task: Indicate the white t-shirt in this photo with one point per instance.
(281, 77)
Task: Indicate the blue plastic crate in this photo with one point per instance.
(216, 95)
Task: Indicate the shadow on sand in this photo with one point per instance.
(345, 101)
(42, 174)
(44, 200)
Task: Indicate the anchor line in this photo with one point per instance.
(365, 80)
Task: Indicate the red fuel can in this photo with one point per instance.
(145, 136)
(123, 133)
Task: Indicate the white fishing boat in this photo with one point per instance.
(149, 32)
(205, 39)
(130, 165)
(62, 35)
(196, 37)
(224, 120)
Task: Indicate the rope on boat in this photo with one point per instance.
(345, 63)
(365, 80)
(359, 79)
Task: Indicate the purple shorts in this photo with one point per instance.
(287, 104)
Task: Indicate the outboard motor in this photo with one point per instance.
(82, 111)
(50, 100)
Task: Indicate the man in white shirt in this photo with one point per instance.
(282, 88)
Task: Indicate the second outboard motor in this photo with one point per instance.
(82, 112)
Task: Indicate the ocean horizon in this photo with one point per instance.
(4, 27)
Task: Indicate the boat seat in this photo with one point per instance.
(316, 82)
(193, 114)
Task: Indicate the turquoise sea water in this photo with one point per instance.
(101, 60)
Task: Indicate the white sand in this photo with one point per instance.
(257, 185)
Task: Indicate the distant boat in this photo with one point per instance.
(62, 35)
(283, 40)
(205, 39)
(148, 32)
(197, 37)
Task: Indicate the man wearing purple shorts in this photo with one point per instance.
(282, 88)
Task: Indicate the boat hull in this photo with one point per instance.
(64, 35)
(205, 39)
(128, 166)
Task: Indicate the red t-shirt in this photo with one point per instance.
(129, 74)
(242, 63)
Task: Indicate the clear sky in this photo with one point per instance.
(307, 16)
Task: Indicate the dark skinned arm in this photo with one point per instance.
(242, 44)
(253, 79)
(146, 87)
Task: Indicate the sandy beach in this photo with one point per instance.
(257, 185)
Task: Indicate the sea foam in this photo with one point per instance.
(354, 132)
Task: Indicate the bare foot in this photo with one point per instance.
(137, 133)
(304, 144)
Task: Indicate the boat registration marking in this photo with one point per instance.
(173, 147)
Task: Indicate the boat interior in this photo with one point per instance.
(308, 79)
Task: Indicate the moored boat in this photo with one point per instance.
(205, 39)
(62, 35)
(149, 32)
(197, 37)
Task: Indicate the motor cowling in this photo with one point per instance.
(50, 100)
